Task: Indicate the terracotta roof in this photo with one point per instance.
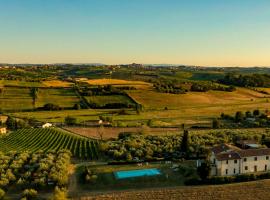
(254, 152)
(223, 148)
(228, 156)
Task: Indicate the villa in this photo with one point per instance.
(227, 160)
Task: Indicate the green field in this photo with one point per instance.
(20, 83)
(19, 99)
(65, 98)
(15, 99)
(107, 99)
(49, 139)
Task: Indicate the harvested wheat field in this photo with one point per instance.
(57, 83)
(258, 190)
(115, 82)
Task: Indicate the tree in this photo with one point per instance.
(77, 106)
(2, 194)
(11, 123)
(216, 124)
(34, 95)
(204, 170)
(184, 147)
(59, 194)
(256, 112)
(70, 120)
(239, 116)
(248, 114)
(100, 132)
(29, 194)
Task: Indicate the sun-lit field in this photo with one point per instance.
(106, 99)
(115, 82)
(156, 100)
(113, 132)
(59, 116)
(57, 83)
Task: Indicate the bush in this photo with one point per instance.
(29, 194)
(2, 194)
(59, 194)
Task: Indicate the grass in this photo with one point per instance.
(65, 98)
(102, 100)
(168, 177)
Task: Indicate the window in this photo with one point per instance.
(255, 158)
(246, 167)
(255, 168)
(214, 161)
(235, 161)
(267, 157)
(226, 171)
(245, 159)
(227, 161)
(265, 167)
(234, 171)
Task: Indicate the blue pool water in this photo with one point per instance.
(136, 173)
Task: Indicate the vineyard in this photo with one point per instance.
(49, 140)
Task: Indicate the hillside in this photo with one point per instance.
(248, 191)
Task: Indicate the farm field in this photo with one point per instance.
(16, 99)
(112, 132)
(57, 83)
(115, 82)
(65, 98)
(156, 100)
(49, 139)
(248, 191)
(20, 83)
(107, 99)
(59, 116)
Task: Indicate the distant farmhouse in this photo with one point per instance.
(3, 130)
(227, 160)
(46, 125)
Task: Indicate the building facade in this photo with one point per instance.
(227, 160)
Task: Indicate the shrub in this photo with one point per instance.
(2, 194)
(29, 194)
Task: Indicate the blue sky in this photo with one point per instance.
(195, 32)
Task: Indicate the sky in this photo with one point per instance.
(191, 32)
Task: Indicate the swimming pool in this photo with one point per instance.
(136, 173)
